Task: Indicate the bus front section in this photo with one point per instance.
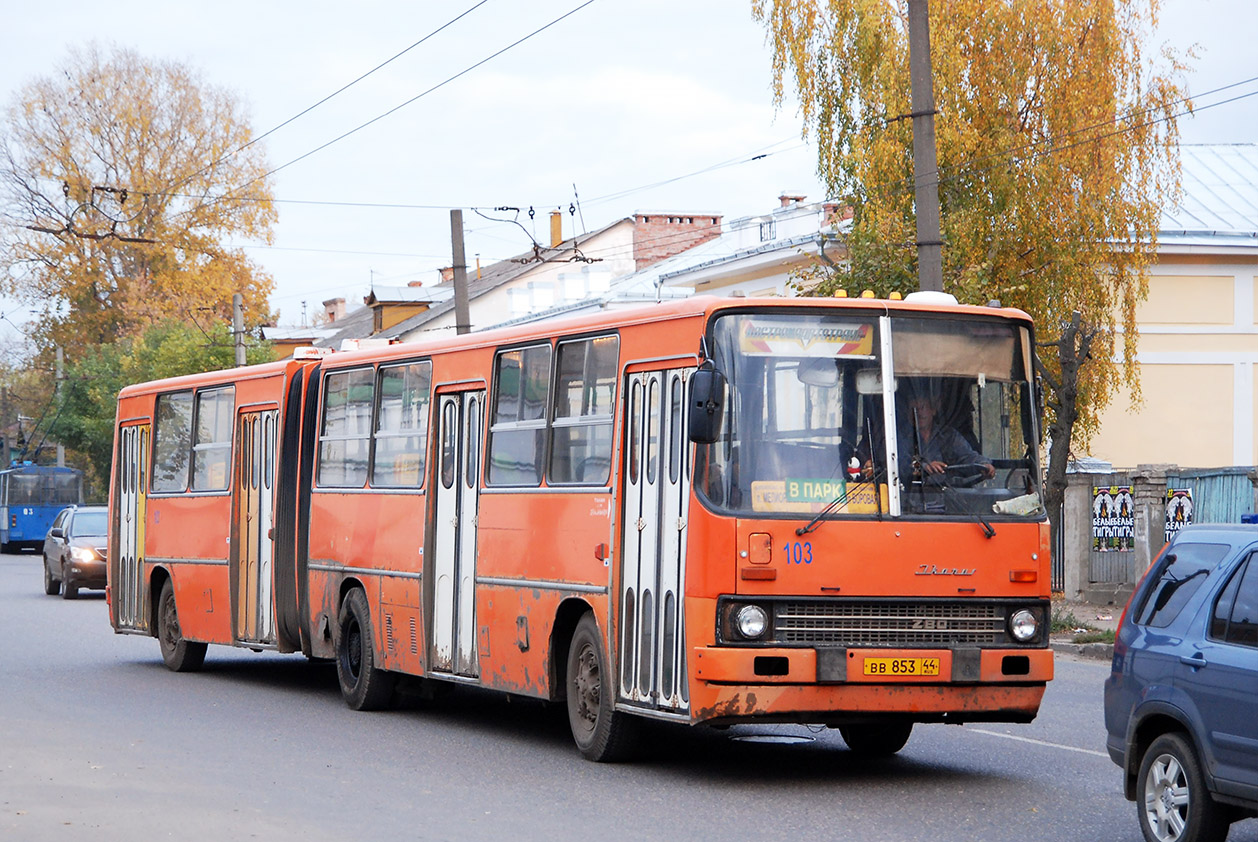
(869, 547)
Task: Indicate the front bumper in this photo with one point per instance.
(828, 685)
(85, 574)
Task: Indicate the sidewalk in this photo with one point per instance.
(1088, 617)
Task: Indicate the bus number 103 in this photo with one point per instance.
(798, 552)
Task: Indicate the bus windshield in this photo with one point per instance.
(865, 414)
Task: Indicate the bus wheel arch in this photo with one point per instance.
(364, 684)
(602, 733)
(179, 653)
(568, 615)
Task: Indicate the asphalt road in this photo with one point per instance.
(99, 741)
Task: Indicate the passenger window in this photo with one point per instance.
(1180, 572)
(212, 447)
(402, 425)
(172, 440)
(585, 396)
(345, 436)
(517, 436)
(1235, 618)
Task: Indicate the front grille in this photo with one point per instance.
(906, 624)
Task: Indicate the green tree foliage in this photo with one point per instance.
(117, 202)
(1057, 145)
(89, 394)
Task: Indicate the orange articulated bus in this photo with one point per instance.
(711, 511)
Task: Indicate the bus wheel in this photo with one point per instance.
(52, 585)
(881, 740)
(364, 685)
(602, 733)
(180, 655)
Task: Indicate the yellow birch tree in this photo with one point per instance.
(1057, 146)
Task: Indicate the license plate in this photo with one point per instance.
(901, 666)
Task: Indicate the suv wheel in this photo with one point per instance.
(1171, 795)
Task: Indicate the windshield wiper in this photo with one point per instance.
(988, 530)
(836, 502)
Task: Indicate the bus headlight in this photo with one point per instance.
(751, 621)
(1024, 625)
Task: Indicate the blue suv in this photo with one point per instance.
(1181, 702)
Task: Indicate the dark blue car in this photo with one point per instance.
(1181, 703)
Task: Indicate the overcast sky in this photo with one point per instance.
(626, 106)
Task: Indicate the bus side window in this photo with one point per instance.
(172, 441)
(517, 435)
(585, 395)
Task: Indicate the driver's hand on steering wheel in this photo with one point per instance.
(989, 470)
(933, 467)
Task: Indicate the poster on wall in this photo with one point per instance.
(1178, 510)
(1113, 518)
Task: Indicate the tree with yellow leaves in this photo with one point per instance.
(1057, 145)
(121, 181)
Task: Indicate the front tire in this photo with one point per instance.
(1171, 795)
(179, 654)
(876, 740)
(363, 684)
(52, 585)
(603, 734)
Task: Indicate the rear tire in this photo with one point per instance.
(876, 740)
(1171, 795)
(602, 733)
(179, 654)
(52, 586)
(364, 685)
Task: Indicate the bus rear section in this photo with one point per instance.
(202, 512)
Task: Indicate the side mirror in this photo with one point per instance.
(58, 533)
(707, 404)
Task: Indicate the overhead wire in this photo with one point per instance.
(415, 98)
(330, 96)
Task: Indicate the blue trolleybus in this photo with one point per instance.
(30, 497)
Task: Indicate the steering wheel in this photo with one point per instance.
(965, 474)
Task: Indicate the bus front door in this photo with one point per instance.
(252, 536)
(656, 478)
(127, 591)
(456, 486)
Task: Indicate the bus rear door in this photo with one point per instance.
(252, 536)
(456, 488)
(127, 591)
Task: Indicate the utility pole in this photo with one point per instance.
(238, 327)
(6, 449)
(462, 318)
(925, 165)
(61, 363)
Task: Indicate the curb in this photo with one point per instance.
(1094, 651)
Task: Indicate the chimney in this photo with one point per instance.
(334, 309)
(556, 228)
(787, 200)
(446, 275)
(657, 236)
